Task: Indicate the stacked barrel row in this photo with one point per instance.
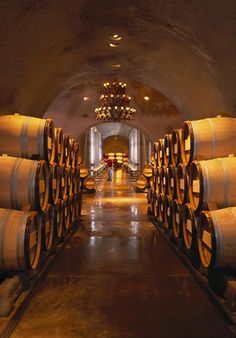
(40, 196)
(193, 194)
(145, 180)
(87, 181)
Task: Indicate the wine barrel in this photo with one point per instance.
(148, 170)
(217, 238)
(53, 183)
(77, 154)
(83, 171)
(79, 181)
(171, 181)
(20, 240)
(59, 151)
(189, 228)
(161, 206)
(160, 152)
(66, 213)
(27, 137)
(163, 181)
(158, 179)
(213, 181)
(153, 203)
(167, 150)
(208, 138)
(177, 219)
(24, 184)
(154, 179)
(155, 146)
(176, 147)
(46, 221)
(71, 181)
(149, 195)
(63, 182)
(89, 183)
(72, 210)
(76, 183)
(182, 183)
(167, 213)
(157, 209)
(141, 183)
(72, 152)
(66, 150)
(56, 214)
(153, 160)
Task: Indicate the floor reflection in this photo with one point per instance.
(118, 278)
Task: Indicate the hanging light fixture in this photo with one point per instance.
(114, 103)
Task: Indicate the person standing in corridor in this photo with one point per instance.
(109, 165)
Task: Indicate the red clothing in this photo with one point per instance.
(109, 163)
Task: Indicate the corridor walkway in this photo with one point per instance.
(118, 278)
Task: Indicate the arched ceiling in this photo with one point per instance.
(55, 52)
(116, 144)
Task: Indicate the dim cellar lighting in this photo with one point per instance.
(86, 98)
(114, 103)
(116, 37)
(146, 98)
(115, 65)
(114, 44)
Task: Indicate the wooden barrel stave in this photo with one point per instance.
(167, 150)
(24, 184)
(171, 181)
(53, 183)
(208, 138)
(213, 181)
(27, 137)
(182, 184)
(189, 228)
(217, 238)
(176, 147)
(66, 150)
(63, 182)
(167, 213)
(160, 152)
(46, 221)
(176, 211)
(66, 213)
(21, 243)
(56, 214)
(59, 144)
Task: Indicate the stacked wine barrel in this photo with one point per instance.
(87, 182)
(193, 197)
(40, 197)
(145, 180)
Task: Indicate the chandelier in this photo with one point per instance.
(114, 103)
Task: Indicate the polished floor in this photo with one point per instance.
(117, 278)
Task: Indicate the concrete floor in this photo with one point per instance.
(118, 278)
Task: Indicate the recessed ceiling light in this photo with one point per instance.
(116, 37)
(86, 98)
(114, 44)
(146, 98)
(115, 65)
